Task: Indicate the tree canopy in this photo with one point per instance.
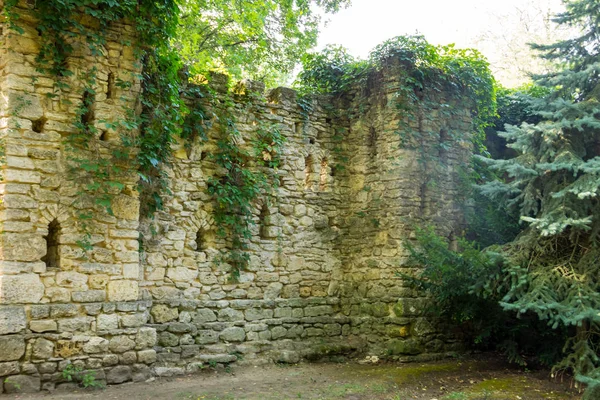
(257, 39)
(554, 182)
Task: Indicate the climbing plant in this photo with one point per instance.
(240, 181)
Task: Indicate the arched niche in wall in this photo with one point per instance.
(52, 257)
(308, 172)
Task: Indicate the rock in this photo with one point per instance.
(167, 339)
(146, 356)
(23, 288)
(118, 374)
(169, 371)
(13, 347)
(12, 319)
(121, 344)
(287, 357)
(218, 358)
(254, 314)
(22, 384)
(96, 345)
(43, 349)
(125, 207)
(204, 315)
(145, 338)
(163, 313)
(9, 368)
(278, 332)
(207, 337)
(230, 315)
(107, 322)
(273, 290)
(45, 325)
(123, 290)
(233, 334)
(89, 296)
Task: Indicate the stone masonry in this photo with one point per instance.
(325, 253)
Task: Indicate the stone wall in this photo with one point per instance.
(326, 247)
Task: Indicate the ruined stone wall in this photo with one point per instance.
(325, 251)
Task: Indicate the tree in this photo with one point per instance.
(257, 39)
(554, 181)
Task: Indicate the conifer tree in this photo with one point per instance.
(555, 183)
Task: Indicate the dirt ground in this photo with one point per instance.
(457, 379)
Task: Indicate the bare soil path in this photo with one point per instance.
(480, 378)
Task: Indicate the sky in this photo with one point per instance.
(366, 23)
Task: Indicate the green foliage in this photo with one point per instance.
(249, 39)
(86, 379)
(333, 70)
(553, 183)
(239, 183)
(464, 72)
(467, 287)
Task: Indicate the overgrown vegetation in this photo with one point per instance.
(550, 271)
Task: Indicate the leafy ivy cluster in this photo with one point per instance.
(445, 68)
(97, 163)
(245, 174)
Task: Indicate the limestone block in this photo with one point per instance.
(79, 324)
(26, 106)
(273, 290)
(118, 374)
(182, 274)
(254, 314)
(145, 338)
(98, 281)
(22, 384)
(9, 368)
(22, 246)
(96, 345)
(229, 314)
(126, 207)
(207, 337)
(12, 319)
(134, 320)
(45, 325)
(146, 356)
(121, 344)
(123, 290)
(204, 315)
(24, 288)
(163, 313)
(89, 296)
(233, 334)
(13, 347)
(43, 349)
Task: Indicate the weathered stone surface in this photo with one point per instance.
(22, 384)
(44, 325)
(204, 315)
(96, 345)
(24, 288)
(147, 356)
(9, 368)
(118, 374)
(120, 344)
(145, 338)
(163, 313)
(107, 322)
(13, 347)
(123, 290)
(12, 319)
(43, 349)
(233, 334)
